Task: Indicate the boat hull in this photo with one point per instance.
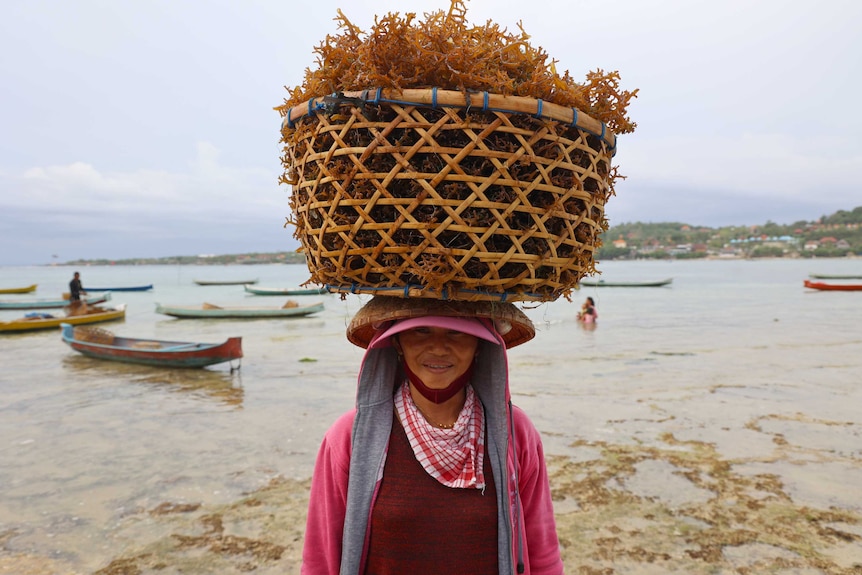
(603, 283)
(218, 312)
(33, 324)
(52, 304)
(127, 288)
(157, 353)
(224, 282)
(284, 291)
(25, 289)
(822, 286)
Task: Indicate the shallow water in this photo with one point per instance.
(736, 355)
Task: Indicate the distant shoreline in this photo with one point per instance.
(205, 260)
(282, 258)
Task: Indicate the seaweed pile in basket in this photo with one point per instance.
(443, 51)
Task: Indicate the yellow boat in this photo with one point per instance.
(37, 321)
(27, 289)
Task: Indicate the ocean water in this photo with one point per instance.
(729, 348)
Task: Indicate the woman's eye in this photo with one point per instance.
(418, 331)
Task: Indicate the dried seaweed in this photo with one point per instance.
(445, 51)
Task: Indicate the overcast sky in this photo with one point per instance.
(145, 128)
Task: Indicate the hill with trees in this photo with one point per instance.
(836, 235)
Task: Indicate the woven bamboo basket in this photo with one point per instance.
(447, 195)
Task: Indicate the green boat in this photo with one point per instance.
(603, 283)
(52, 303)
(224, 282)
(211, 311)
(284, 291)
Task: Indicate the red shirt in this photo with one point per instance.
(421, 527)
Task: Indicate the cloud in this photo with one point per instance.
(142, 213)
(712, 207)
(774, 165)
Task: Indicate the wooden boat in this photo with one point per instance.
(102, 344)
(37, 321)
(603, 283)
(52, 303)
(284, 291)
(125, 288)
(823, 286)
(224, 282)
(25, 289)
(835, 277)
(209, 311)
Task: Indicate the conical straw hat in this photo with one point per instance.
(511, 323)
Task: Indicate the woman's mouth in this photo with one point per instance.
(437, 366)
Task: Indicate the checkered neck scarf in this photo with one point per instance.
(454, 457)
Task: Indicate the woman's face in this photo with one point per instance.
(437, 355)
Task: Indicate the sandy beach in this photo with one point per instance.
(708, 478)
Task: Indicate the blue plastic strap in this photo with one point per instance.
(538, 109)
(445, 293)
(574, 117)
(434, 97)
(484, 101)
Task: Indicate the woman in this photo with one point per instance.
(434, 471)
(588, 313)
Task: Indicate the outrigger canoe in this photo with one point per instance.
(284, 291)
(210, 311)
(52, 303)
(102, 344)
(36, 321)
(603, 283)
(224, 282)
(835, 277)
(25, 289)
(126, 288)
(823, 286)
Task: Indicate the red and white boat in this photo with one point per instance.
(832, 287)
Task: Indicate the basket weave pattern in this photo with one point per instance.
(446, 202)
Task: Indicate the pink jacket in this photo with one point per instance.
(345, 483)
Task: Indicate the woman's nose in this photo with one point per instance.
(439, 341)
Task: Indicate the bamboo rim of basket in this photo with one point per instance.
(480, 101)
(445, 294)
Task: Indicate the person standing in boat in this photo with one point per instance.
(76, 290)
